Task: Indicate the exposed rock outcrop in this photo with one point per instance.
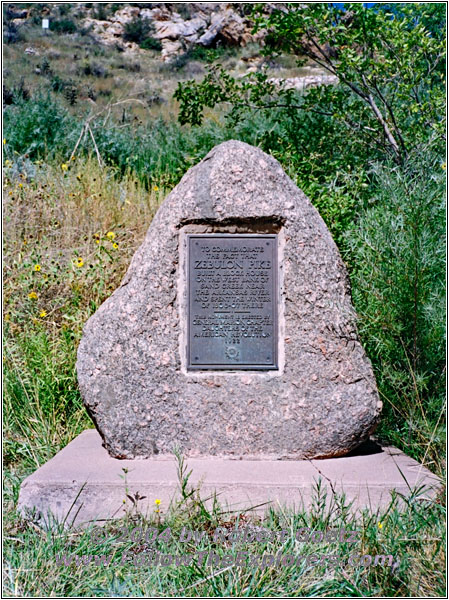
(207, 24)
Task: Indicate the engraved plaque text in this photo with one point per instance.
(232, 301)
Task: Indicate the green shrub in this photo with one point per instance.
(100, 12)
(64, 9)
(137, 30)
(16, 94)
(58, 84)
(398, 281)
(63, 26)
(210, 55)
(40, 127)
(151, 43)
(93, 68)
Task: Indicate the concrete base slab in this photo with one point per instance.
(83, 483)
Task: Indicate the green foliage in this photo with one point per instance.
(93, 68)
(40, 408)
(64, 9)
(137, 30)
(151, 43)
(71, 94)
(63, 26)
(39, 127)
(16, 94)
(391, 73)
(398, 252)
(58, 84)
(43, 128)
(328, 167)
(100, 11)
(210, 55)
(391, 63)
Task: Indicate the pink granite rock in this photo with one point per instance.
(132, 367)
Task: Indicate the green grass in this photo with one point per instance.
(410, 530)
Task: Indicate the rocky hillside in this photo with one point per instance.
(173, 28)
(97, 54)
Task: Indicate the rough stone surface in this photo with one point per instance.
(205, 24)
(83, 483)
(304, 82)
(322, 402)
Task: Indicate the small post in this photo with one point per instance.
(45, 25)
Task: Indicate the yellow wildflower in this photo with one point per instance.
(443, 166)
(64, 167)
(110, 235)
(157, 502)
(380, 525)
(42, 314)
(32, 296)
(4, 141)
(79, 263)
(20, 185)
(115, 245)
(37, 268)
(155, 188)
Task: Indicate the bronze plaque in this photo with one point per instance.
(232, 301)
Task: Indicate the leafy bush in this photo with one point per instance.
(137, 30)
(64, 9)
(390, 70)
(151, 43)
(63, 26)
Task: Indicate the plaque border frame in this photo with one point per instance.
(274, 366)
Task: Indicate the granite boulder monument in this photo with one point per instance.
(232, 334)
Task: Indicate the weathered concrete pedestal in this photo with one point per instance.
(84, 483)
